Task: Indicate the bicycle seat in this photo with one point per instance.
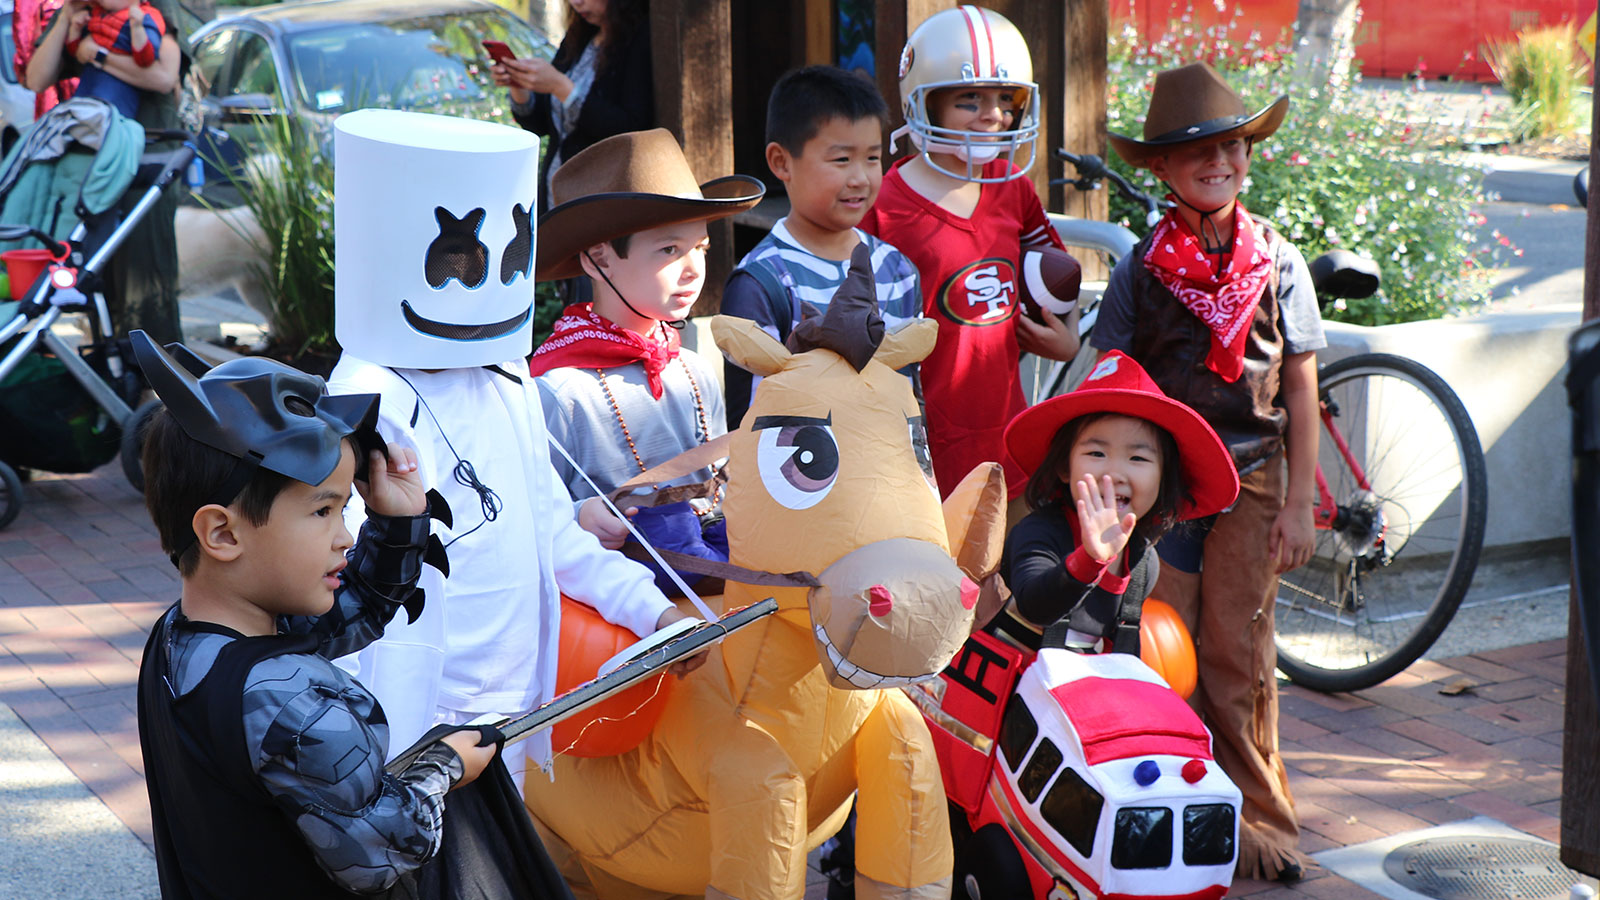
(1342, 274)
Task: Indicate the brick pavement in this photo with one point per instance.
(82, 576)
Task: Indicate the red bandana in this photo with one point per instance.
(583, 339)
(1226, 302)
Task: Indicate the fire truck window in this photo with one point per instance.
(1142, 838)
(1017, 733)
(1208, 834)
(1044, 763)
(1072, 808)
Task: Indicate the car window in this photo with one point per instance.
(1072, 807)
(1017, 732)
(1208, 834)
(210, 56)
(254, 72)
(1036, 774)
(427, 62)
(1142, 838)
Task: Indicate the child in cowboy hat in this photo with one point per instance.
(619, 391)
(1220, 310)
(1114, 465)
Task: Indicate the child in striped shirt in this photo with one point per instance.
(824, 134)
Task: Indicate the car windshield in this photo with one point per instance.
(431, 62)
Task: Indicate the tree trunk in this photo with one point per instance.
(1324, 39)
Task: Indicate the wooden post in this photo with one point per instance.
(1580, 748)
(691, 53)
(896, 19)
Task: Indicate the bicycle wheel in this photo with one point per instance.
(1387, 577)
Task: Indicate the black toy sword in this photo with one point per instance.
(650, 661)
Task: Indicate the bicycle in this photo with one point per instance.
(1402, 493)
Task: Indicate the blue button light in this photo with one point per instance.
(1146, 773)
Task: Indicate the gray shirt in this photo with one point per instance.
(580, 416)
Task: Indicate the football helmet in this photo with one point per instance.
(969, 47)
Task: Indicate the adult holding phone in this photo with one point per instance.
(142, 278)
(598, 85)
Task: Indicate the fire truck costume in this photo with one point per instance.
(434, 301)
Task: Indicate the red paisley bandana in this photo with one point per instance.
(1226, 302)
(583, 339)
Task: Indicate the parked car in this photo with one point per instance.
(16, 101)
(315, 60)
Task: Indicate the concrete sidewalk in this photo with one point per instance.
(81, 578)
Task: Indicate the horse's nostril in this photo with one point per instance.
(969, 593)
(882, 601)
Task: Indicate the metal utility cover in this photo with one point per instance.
(1481, 868)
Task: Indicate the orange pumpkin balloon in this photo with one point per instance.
(620, 722)
(1166, 646)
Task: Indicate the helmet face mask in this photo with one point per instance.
(963, 49)
(976, 149)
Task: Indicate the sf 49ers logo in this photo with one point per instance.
(983, 293)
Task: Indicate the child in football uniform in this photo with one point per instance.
(961, 210)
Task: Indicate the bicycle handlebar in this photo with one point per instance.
(1092, 169)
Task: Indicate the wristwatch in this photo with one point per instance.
(100, 58)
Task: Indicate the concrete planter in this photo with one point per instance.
(1508, 370)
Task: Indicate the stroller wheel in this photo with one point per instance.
(133, 443)
(10, 494)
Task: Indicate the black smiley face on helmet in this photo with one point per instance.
(458, 254)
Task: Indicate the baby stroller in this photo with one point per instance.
(73, 187)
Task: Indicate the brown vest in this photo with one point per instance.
(1171, 343)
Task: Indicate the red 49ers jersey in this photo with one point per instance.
(970, 280)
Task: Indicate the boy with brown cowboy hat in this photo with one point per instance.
(1220, 310)
(619, 390)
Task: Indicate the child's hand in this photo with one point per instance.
(1293, 537)
(136, 13)
(394, 486)
(1104, 533)
(474, 759)
(683, 666)
(595, 517)
(1056, 339)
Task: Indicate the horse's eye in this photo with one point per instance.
(798, 463)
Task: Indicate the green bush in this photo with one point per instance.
(288, 185)
(1344, 171)
(1540, 68)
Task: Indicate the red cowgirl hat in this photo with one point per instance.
(1118, 384)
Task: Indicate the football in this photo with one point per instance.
(1050, 280)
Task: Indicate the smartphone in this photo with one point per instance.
(498, 51)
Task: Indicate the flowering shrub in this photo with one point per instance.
(1344, 171)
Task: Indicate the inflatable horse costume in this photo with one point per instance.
(756, 755)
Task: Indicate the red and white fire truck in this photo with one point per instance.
(1074, 776)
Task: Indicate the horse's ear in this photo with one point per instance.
(911, 342)
(743, 341)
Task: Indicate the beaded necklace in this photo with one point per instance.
(702, 435)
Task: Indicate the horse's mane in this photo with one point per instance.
(852, 327)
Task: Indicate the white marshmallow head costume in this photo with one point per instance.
(433, 222)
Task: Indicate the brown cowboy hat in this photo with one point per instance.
(625, 184)
(1192, 103)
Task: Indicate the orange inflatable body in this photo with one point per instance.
(618, 723)
(1166, 646)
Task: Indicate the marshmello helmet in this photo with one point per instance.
(970, 47)
(434, 222)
